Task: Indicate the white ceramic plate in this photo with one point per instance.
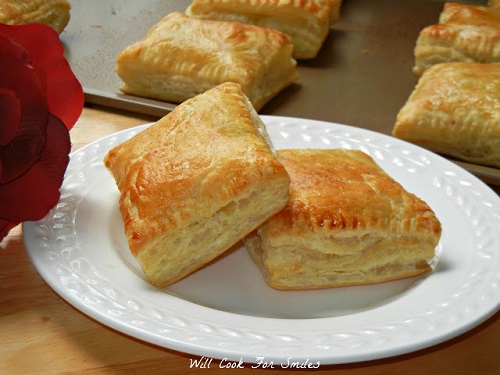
(227, 311)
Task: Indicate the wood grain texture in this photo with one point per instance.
(42, 334)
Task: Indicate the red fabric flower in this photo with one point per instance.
(40, 101)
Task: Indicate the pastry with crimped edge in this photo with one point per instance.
(465, 33)
(196, 182)
(306, 21)
(181, 57)
(454, 110)
(347, 222)
(54, 13)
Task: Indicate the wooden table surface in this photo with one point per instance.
(42, 334)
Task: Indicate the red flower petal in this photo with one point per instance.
(64, 92)
(21, 83)
(10, 116)
(31, 196)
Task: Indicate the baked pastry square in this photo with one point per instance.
(465, 33)
(346, 223)
(307, 22)
(55, 13)
(196, 182)
(181, 57)
(455, 110)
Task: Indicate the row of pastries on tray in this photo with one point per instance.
(255, 43)
(454, 108)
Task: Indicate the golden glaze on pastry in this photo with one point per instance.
(181, 57)
(306, 21)
(55, 13)
(466, 33)
(346, 223)
(455, 110)
(196, 182)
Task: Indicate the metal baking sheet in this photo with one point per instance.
(361, 77)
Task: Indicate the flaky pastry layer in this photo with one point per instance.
(465, 33)
(307, 22)
(455, 110)
(181, 57)
(346, 223)
(55, 13)
(196, 182)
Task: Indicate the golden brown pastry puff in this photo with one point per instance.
(466, 33)
(455, 110)
(196, 182)
(346, 223)
(306, 21)
(181, 57)
(55, 13)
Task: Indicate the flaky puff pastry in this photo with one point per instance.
(346, 223)
(181, 57)
(55, 13)
(465, 33)
(455, 110)
(196, 182)
(306, 21)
